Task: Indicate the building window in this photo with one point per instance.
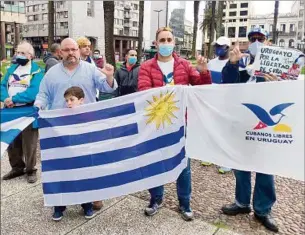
(223, 14)
(244, 5)
(30, 18)
(253, 26)
(291, 43)
(90, 8)
(230, 21)
(301, 13)
(300, 24)
(232, 13)
(134, 33)
(291, 28)
(135, 24)
(44, 16)
(283, 28)
(45, 26)
(36, 17)
(233, 6)
(242, 33)
(36, 8)
(270, 28)
(262, 26)
(243, 20)
(244, 13)
(231, 32)
(282, 43)
(135, 7)
(66, 14)
(44, 6)
(30, 9)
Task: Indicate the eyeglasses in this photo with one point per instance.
(163, 40)
(68, 50)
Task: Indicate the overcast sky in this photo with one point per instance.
(260, 7)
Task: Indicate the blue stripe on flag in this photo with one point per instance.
(88, 117)
(116, 179)
(114, 155)
(91, 137)
(8, 136)
(8, 114)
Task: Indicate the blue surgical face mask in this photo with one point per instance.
(220, 51)
(166, 49)
(254, 47)
(132, 60)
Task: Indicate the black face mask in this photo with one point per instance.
(22, 61)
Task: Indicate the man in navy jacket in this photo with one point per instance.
(237, 70)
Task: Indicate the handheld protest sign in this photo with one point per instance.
(284, 63)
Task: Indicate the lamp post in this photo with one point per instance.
(158, 11)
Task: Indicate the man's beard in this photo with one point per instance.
(68, 62)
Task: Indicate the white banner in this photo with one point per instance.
(253, 127)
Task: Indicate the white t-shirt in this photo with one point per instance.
(20, 80)
(215, 66)
(167, 69)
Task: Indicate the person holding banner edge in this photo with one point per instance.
(19, 88)
(264, 195)
(167, 69)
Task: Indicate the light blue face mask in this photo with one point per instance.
(166, 49)
(132, 60)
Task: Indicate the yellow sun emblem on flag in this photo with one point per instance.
(161, 109)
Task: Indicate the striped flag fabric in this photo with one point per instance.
(13, 122)
(112, 148)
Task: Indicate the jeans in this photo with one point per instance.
(85, 206)
(264, 192)
(184, 189)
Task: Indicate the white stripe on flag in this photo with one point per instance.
(107, 145)
(86, 127)
(19, 123)
(64, 199)
(114, 168)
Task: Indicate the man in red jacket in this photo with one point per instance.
(166, 68)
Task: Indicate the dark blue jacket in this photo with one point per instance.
(232, 74)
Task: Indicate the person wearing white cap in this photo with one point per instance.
(222, 48)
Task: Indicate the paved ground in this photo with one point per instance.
(211, 190)
(22, 210)
(23, 213)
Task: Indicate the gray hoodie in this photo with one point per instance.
(50, 61)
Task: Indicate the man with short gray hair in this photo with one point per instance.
(53, 57)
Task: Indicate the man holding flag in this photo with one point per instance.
(167, 69)
(19, 88)
(264, 190)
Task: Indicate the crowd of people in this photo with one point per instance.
(72, 78)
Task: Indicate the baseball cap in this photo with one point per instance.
(258, 30)
(222, 41)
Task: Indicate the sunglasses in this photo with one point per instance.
(257, 38)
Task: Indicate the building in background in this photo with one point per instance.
(72, 19)
(12, 16)
(286, 27)
(158, 14)
(126, 26)
(298, 9)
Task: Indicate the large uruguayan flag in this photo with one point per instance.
(13, 121)
(112, 148)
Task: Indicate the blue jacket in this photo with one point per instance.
(29, 95)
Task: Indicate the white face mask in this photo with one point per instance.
(254, 47)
